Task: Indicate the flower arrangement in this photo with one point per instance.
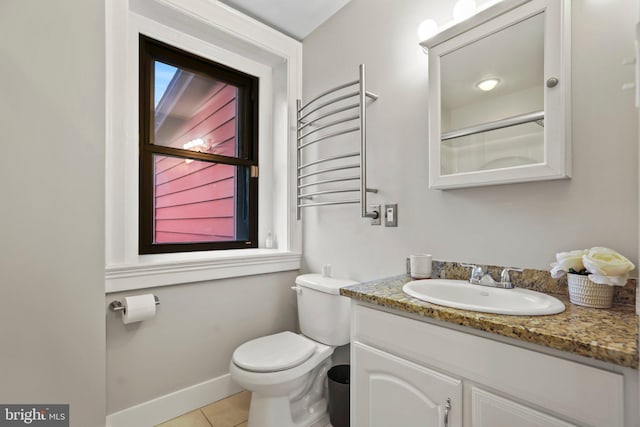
(603, 265)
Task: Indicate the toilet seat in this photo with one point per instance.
(273, 353)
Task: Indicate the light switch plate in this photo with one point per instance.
(391, 215)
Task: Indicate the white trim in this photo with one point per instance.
(222, 34)
(174, 404)
(120, 278)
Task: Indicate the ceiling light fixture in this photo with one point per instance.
(462, 10)
(488, 84)
(427, 29)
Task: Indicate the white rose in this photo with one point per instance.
(607, 266)
(566, 261)
(610, 280)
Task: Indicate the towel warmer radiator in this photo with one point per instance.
(335, 112)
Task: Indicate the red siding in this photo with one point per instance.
(204, 193)
(163, 237)
(189, 175)
(195, 201)
(203, 226)
(222, 207)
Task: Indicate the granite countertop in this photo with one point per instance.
(609, 335)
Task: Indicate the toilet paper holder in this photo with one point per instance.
(117, 305)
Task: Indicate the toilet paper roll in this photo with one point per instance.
(138, 308)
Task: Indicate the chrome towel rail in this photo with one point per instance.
(346, 116)
(330, 135)
(327, 170)
(330, 113)
(341, 202)
(333, 101)
(327, 181)
(318, 193)
(328, 124)
(328, 92)
(328, 159)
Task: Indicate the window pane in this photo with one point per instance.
(196, 201)
(163, 75)
(194, 112)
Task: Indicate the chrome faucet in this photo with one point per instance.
(480, 276)
(477, 272)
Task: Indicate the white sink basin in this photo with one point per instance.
(461, 294)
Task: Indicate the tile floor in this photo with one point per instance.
(230, 412)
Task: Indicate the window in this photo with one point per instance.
(198, 153)
(213, 31)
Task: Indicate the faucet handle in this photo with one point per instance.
(477, 271)
(504, 276)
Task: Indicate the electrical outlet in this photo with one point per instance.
(391, 215)
(376, 221)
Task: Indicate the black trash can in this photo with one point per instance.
(339, 378)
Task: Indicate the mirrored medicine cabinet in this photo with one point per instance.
(499, 95)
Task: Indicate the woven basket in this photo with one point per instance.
(583, 291)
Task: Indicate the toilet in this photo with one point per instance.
(286, 372)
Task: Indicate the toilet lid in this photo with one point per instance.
(274, 352)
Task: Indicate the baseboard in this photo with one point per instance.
(156, 411)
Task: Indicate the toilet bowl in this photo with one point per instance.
(286, 372)
(291, 396)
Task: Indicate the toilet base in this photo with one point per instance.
(276, 411)
(303, 409)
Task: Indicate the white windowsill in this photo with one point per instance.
(221, 265)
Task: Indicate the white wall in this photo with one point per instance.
(517, 224)
(52, 176)
(196, 329)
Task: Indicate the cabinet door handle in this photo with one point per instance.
(447, 408)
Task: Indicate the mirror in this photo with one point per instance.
(498, 98)
(497, 78)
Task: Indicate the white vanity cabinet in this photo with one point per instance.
(402, 393)
(490, 410)
(404, 370)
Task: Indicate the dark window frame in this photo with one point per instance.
(151, 50)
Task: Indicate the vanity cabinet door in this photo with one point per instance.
(489, 410)
(390, 391)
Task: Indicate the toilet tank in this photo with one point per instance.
(323, 313)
